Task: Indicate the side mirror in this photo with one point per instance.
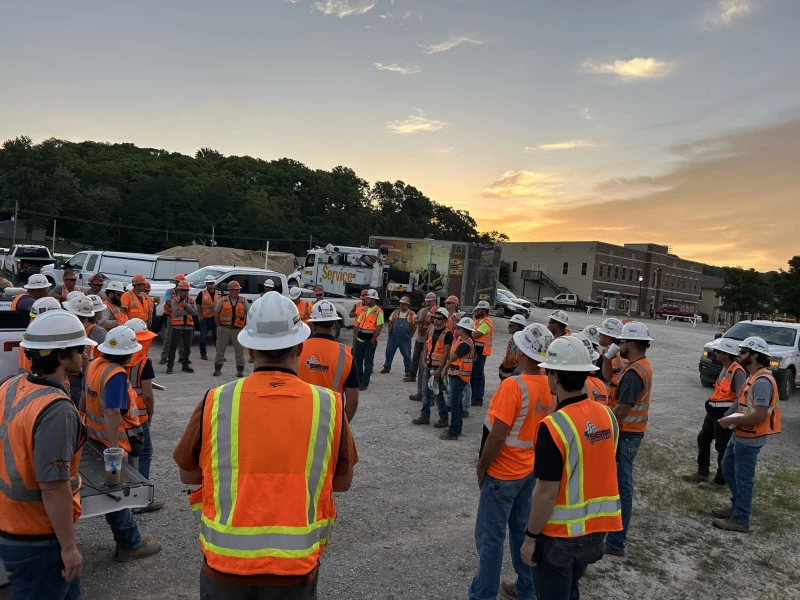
(223, 287)
(717, 336)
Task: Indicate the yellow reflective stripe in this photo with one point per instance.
(255, 542)
(234, 445)
(328, 414)
(310, 451)
(215, 451)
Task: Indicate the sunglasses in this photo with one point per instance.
(320, 295)
(744, 351)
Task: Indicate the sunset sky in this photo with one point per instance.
(675, 122)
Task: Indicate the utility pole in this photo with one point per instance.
(119, 231)
(16, 210)
(311, 241)
(54, 237)
(213, 241)
(266, 257)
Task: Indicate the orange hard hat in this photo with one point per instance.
(138, 278)
(97, 278)
(234, 285)
(451, 299)
(183, 285)
(180, 277)
(147, 286)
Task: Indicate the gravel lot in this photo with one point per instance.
(405, 529)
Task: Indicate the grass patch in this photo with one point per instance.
(776, 498)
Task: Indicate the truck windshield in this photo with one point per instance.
(197, 278)
(774, 335)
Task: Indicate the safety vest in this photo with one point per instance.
(135, 307)
(451, 323)
(119, 315)
(266, 504)
(368, 319)
(168, 303)
(424, 321)
(636, 419)
(90, 349)
(16, 300)
(484, 341)
(586, 433)
(97, 376)
(511, 360)
(226, 315)
(206, 303)
(618, 363)
(359, 309)
(747, 405)
(21, 509)
(135, 380)
(724, 396)
(186, 320)
(436, 354)
(24, 362)
(325, 363)
(462, 366)
(596, 390)
(304, 308)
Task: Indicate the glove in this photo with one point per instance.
(612, 351)
(433, 384)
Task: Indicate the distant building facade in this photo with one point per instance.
(7, 231)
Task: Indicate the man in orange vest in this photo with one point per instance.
(757, 416)
(116, 315)
(182, 326)
(462, 359)
(136, 303)
(37, 287)
(230, 313)
(483, 336)
(60, 292)
(294, 449)
(303, 307)
(436, 358)
(326, 362)
(96, 284)
(510, 364)
(206, 302)
(451, 304)
(505, 469)
(630, 401)
(611, 362)
(166, 319)
(422, 322)
(366, 331)
(359, 306)
(401, 330)
(731, 379)
(42, 433)
(557, 323)
(576, 501)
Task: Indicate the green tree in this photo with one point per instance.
(787, 288)
(745, 291)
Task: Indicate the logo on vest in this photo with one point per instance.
(598, 396)
(593, 434)
(313, 364)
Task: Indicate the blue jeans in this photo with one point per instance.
(207, 325)
(397, 342)
(502, 504)
(364, 356)
(425, 413)
(457, 386)
(739, 469)
(146, 457)
(478, 379)
(35, 572)
(123, 526)
(626, 452)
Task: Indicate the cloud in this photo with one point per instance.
(588, 114)
(569, 145)
(725, 13)
(344, 8)
(407, 69)
(390, 17)
(630, 70)
(523, 184)
(418, 123)
(449, 44)
(447, 150)
(293, 1)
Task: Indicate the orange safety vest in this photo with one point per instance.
(90, 349)
(326, 363)
(168, 302)
(135, 307)
(16, 300)
(24, 362)
(484, 341)
(451, 323)
(596, 390)
(436, 353)
(724, 396)
(206, 309)
(21, 509)
(304, 308)
(119, 315)
(186, 320)
(226, 315)
(511, 360)
(266, 505)
(586, 433)
(97, 375)
(770, 425)
(462, 367)
(368, 322)
(424, 321)
(135, 380)
(636, 419)
(359, 309)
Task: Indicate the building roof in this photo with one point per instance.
(711, 283)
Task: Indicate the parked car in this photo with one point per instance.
(12, 326)
(674, 311)
(119, 266)
(510, 296)
(24, 260)
(567, 300)
(505, 307)
(782, 339)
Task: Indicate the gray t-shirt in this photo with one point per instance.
(629, 388)
(739, 378)
(98, 334)
(55, 438)
(25, 303)
(762, 396)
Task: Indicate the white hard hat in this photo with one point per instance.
(635, 331)
(324, 312)
(295, 293)
(568, 354)
(588, 343)
(97, 303)
(55, 329)
(120, 341)
(37, 282)
(114, 286)
(137, 325)
(209, 279)
(728, 346)
(42, 305)
(483, 304)
(593, 333)
(74, 294)
(129, 287)
(559, 316)
(80, 306)
(442, 311)
(467, 323)
(273, 323)
(611, 327)
(518, 320)
(533, 341)
(756, 344)
(373, 294)
(268, 283)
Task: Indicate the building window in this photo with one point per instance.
(584, 268)
(630, 275)
(638, 274)
(608, 272)
(624, 273)
(565, 269)
(616, 272)
(514, 267)
(602, 268)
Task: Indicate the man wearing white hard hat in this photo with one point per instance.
(611, 362)
(630, 401)
(37, 287)
(576, 501)
(726, 389)
(366, 330)
(292, 439)
(505, 468)
(595, 388)
(510, 364)
(83, 308)
(41, 498)
(303, 306)
(326, 362)
(557, 323)
(757, 416)
(483, 336)
(437, 354)
(423, 322)
(116, 315)
(401, 330)
(462, 359)
(39, 307)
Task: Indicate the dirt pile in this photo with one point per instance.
(278, 261)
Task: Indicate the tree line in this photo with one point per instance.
(748, 291)
(145, 199)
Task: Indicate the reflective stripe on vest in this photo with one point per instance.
(511, 360)
(368, 321)
(723, 395)
(119, 315)
(436, 353)
(137, 308)
(185, 320)
(747, 405)
(325, 362)
(462, 366)
(513, 437)
(637, 417)
(485, 340)
(339, 372)
(227, 317)
(206, 310)
(95, 424)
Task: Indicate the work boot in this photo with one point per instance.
(409, 379)
(695, 478)
(187, 369)
(163, 361)
(440, 424)
(152, 507)
(730, 525)
(713, 486)
(508, 590)
(217, 372)
(477, 402)
(384, 371)
(146, 537)
(613, 551)
(169, 369)
(240, 372)
(446, 435)
(362, 387)
(415, 397)
(464, 414)
(421, 421)
(203, 357)
(148, 548)
(722, 512)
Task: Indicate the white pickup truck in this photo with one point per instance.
(567, 300)
(24, 260)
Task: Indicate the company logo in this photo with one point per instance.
(314, 365)
(277, 384)
(593, 434)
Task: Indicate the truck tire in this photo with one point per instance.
(549, 304)
(785, 382)
(501, 311)
(707, 382)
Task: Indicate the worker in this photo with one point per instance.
(269, 285)
(593, 333)
(505, 469)
(730, 381)
(422, 323)
(303, 306)
(459, 373)
(510, 364)
(41, 434)
(96, 284)
(39, 307)
(757, 415)
(319, 293)
(291, 437)
(182, 326)
(167, 318)
(557, 323)
(483, 336)
(594, 388)
(153, 303)
(436, 358)
(136, 303)
(206, 303)
(116, 315)
(401, 330)
(60, 291)
(451, 303)
(5, 283)
(359, 306)
(630, 401)
(326, 362)
(366, 331)
(230, 314)
(611, 363)
(576, 501)
(112, 419)
(83, 308)
(37, 287)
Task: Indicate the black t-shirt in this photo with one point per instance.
(436, 334)
(548, 464)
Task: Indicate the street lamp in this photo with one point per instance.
(641, 312)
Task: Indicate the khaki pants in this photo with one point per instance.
(226, 336)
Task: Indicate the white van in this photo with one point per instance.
(120, 266)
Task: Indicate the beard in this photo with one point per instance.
(624, 352)
(115, 300)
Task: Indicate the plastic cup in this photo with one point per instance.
(113, 458)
